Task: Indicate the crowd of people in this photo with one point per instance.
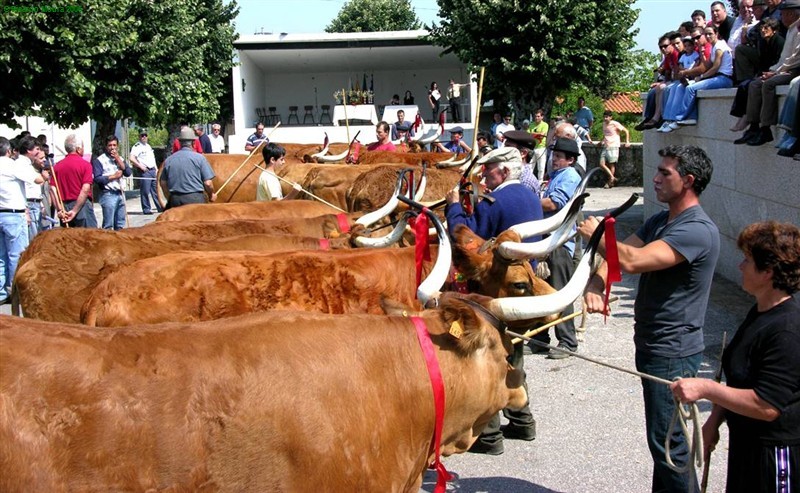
(756, 50)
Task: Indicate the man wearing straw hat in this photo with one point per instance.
(187, 175)
(71, 186)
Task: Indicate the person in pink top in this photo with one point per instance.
(609, 155)
(384, 142)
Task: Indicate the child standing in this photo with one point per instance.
(609, 155)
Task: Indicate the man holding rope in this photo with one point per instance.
(675, 251)
(187, 175)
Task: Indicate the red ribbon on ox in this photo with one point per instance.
(344, 224)
(324, 244)
(612, 258)
(437, 383)
(422, 250)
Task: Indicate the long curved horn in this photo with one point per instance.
(530, 307)
(423, 183)
(384, 241)
(375, 216)
(324, 148)
(453, 163)
(432, 285)
(427, 140)
(542, 226)
(333, 158)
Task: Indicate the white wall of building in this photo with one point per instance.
(55, 134)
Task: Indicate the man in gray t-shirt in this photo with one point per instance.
(675, 252)
(187, 175)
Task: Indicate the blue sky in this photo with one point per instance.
(303, 16)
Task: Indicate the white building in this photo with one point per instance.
(304, 70)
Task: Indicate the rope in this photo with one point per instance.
(694, 441)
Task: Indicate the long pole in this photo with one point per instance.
(478, 112)
(248, 158)
(346, 121)
(59, 200)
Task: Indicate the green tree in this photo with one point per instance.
(153, 62)
(361, 16)
(533, 51)
(636, 73)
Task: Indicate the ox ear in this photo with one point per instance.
(470, 332)
(468, 255)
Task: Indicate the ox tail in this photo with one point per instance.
(16, 309)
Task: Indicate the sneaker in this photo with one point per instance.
(480, 447)
(665, 128)
(689, 121)
(553, 354)
(674, 125)
(513, 432)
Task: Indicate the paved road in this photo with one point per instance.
(590, 418)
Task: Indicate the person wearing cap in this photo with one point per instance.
(524, 142)
(456, 143)
(384, 143)
(511, 203)
(143, 158)
(187, 175)
(176, 144)
(217, 140)
(108, 169)
(401, 122)
(576, 133)
(564, 181)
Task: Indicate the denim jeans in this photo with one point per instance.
(689, 107)
(149, 191)
(113, 205)
(35, 211)
(658, 409)
(13, 241)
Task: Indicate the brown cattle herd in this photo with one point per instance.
(254, 346)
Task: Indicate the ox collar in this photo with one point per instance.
(437, 383)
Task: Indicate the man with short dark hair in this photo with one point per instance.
(500, 129)
(584, 116)
(143, 157)
(256, 139)
(269, 187)
(187, 175)
(721, 19)
(108, 169)
(401, 122)
(675, 251)
(30, 154)
(699, 18)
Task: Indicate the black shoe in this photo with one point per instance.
(5, 300)
(480, 447)
(513, 432)
(762, 137)
(652, 124)
(536, 349)
(640, 126)
(749, 134)
(553, 354)
(148, 213)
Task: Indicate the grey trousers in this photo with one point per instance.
(762, 100)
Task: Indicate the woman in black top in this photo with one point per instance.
(761, 401)
(408, 99)
(434, 96)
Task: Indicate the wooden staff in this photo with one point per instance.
(546, 326)
(59, 200)
(346, 121)
(301, 188)
(477, 113)
(248, 158)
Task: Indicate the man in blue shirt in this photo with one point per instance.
(564, 181)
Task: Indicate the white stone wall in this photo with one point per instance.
(749, 183)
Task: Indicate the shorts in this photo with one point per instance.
(609, 154)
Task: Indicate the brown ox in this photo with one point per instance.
(276, 209)
(290, 401)
(59, 271)
(207, 285)
(374, 188)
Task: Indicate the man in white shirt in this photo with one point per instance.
(269, 187)
(31, 155)
(217, 140)
(143, 157)
(499, 140)
(14, 176)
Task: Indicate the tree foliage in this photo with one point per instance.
(155, 62)
(361, 16)
(533, 51)
(636, 73)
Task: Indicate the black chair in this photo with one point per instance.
(326, 114)
(293, 114)
(273, 118)
(308, 114)
(262, 116)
